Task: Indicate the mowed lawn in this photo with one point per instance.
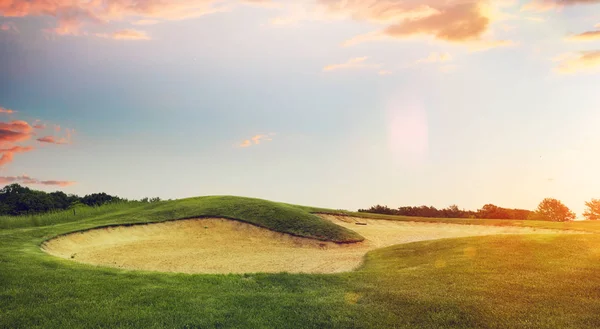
(521, 281)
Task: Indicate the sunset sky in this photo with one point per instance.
(342, 104)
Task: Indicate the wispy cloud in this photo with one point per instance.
(354, 63)
(256, 139)
(52, 140)
(27, 180)
(127, 34)
(543, 5)
(72, 17)
(7, 154)
(585, 36)
(9, 27)
(146, 22)
(585, 61)
(6, 111)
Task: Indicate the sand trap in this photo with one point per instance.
(216, 245)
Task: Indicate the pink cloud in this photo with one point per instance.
(7, 154)
(72, 16)
(5, 110)
(27, 180)
(256, 139)
(21, 131)
(543, 5)
(9, 27)
(127, 35)
(52, 140)
(14, 131)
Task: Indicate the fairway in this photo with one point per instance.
(216, 245)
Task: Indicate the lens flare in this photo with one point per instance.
(408, 133)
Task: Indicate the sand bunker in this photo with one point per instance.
(216, 245)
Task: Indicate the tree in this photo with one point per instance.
(593, 211)
(554, 210)
(98, 199)
(491, 211)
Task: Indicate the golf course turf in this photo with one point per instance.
(508, 281)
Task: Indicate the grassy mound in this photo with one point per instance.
(275, 216)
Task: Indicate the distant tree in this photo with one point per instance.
(20, 200)
(490, 211)
(453, 212)
(378, 209)
(553, 210)
(98, 199)
(593, 211)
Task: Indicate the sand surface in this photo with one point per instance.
(215, 245)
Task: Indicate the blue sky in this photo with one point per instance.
(418, 102)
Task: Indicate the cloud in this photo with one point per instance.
(6, 111)
(354, 63)
(261, 3)
(462, 22)
(146, 22)
(27, 180)
(453, 20)
(7, 154)
(584, 61)
(259, 138)
(127, 34)
(52, 140)
(14, 131)
(384, 72)
(256, 139)
(11, 132)
(20, 131)
(585, 36)
(543, 5)
(9, 27)
(435, 58)
(72, 16)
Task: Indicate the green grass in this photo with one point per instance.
(275, 216)
(533, 281)
(66, 216)
(584, 226)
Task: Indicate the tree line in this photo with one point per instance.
(549, 209)
(20, 200)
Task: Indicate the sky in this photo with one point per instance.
(332, 103)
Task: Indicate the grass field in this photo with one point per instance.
(526, 281)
